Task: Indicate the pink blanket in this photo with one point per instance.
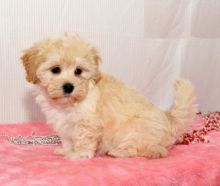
(20, 165)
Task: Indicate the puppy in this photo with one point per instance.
(93, 112)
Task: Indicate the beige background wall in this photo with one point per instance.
(147, 44)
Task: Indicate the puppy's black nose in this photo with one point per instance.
(68, 88)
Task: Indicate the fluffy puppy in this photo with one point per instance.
(93, 112)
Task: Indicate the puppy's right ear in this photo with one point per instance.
(30, 62)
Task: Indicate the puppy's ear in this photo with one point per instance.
(30, 62)
(97, 77)
(95, 57)
(94, 54)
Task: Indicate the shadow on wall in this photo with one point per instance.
(32, 108)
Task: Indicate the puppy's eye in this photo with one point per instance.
(78, 71)
(56, 70)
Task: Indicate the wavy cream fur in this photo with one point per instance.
(102, 115)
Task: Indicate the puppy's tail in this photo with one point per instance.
(185, 107)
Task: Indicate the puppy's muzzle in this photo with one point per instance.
(68, 88)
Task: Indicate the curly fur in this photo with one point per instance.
(102, 115)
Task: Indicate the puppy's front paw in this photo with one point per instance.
(60, 151)
(80, 154)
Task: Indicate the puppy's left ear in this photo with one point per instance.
(95, 56)
(96, 59)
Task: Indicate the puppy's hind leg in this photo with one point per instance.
(123, 152)
(136, 139)
(152, 152)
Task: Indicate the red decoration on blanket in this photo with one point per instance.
(211, 123)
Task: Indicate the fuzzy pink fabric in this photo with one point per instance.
(20, 165)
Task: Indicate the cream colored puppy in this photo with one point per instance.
(96, 114)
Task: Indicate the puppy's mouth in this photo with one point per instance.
(66, 99)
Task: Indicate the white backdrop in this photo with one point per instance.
(147, 44)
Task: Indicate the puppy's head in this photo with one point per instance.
(64, 67)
